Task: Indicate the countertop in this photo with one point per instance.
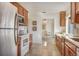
(68, 38)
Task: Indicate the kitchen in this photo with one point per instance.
(18, 37)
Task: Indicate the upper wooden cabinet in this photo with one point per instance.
(62, 18)
(75, 12)
(26, 17)
(22, 11)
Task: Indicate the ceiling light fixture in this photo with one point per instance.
(43, 12)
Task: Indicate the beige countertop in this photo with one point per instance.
(68, 38)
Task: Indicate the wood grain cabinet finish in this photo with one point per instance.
(65, 47)
(69, 51)
(70, 48)
(60, 45)
(66, 50)
(19, 46)
(22, 11)
(75, 12)
(30, 41)
(26, 17)
(62, 18)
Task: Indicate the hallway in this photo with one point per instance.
(47, 48)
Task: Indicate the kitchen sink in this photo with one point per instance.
(75, 39)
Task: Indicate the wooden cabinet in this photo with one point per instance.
(75, 12)
(60, 44)
(22, 11)
(30, 41)
(19, 46)
(26, 17)
(19, 7)
(65, 47)
(77, 6)
(70, 49)
(62, 18)
(66, 50)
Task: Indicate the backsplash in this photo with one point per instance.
(76, 30)
(62, 29)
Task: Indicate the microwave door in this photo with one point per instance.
(20, 19)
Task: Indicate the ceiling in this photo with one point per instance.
(49, 7)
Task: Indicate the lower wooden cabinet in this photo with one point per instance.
(60, 44)
(66, 51)
(30, 41)
(69, 51)
(65, 47)
(19, 46)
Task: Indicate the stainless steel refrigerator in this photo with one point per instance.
(8, 29)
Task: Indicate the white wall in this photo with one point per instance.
(37, 37)
(50, 27)
(56, 23)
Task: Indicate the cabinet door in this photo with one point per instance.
(62, 18)
(19, 7)
(63, 49)
(66, 51)
(77, 12)
(73, 11)
(30, 41)
(19, 46)
(77, 7)
(71, 53)
(15, 4)
(26, 17)
(20, 11)
(58, 43)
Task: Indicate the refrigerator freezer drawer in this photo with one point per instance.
(7, 43)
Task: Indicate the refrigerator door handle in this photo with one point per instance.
(15, 29)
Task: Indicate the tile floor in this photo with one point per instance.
(47, 48)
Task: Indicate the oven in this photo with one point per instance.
(24, 44)
(22, 32)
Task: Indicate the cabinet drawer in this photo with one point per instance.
(71, 53)
(70, 45)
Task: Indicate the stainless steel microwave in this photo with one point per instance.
(20, 19)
